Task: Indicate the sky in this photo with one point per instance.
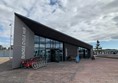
(86, 20)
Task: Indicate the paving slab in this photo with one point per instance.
(101, 70)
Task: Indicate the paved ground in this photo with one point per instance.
(114, 56)
(3, 59)
(101, 70)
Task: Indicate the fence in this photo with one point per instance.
(6, 53)
(105, 52)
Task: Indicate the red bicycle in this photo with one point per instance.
(35, 63)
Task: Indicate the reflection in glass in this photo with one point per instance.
(44, 47)
(48, 50)
(36, 45)
(83, 52)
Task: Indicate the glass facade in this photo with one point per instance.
(83, 52)
(52, 50)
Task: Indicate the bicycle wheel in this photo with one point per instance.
(35, 65)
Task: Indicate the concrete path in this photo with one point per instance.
(98, 71)
(101, 70)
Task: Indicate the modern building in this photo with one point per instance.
(32, 39)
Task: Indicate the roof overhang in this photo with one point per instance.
(42, 30)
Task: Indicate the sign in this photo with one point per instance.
(23, 43)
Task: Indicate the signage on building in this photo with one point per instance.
(23, 42)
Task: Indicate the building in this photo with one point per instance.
(105, 51)
(33, 39)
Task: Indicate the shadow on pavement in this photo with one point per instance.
(6, 66)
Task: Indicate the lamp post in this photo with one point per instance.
(10, 40)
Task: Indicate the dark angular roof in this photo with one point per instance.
(42, 30)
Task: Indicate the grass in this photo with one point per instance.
(3, 59)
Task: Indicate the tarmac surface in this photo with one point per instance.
(101, 70)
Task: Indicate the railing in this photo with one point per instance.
(6, 53)
(105, 52)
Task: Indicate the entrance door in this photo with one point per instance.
(54, 55)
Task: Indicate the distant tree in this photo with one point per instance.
(97, 44)
(11, 47)
(4, 48)
(98, 47)
(1, 47)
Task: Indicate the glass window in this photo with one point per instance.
(36, 39)
(36, 45)
(48, 50)
(43, 47)
(52, 42)
(47, 43)
(57, 44)
(61, 50)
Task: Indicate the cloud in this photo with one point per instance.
(6, 17)
(1, 28)
(87, 20)
(113, 4)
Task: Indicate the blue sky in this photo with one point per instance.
(86, 20)
(111, 44)
(4, 39)
(1, 28)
